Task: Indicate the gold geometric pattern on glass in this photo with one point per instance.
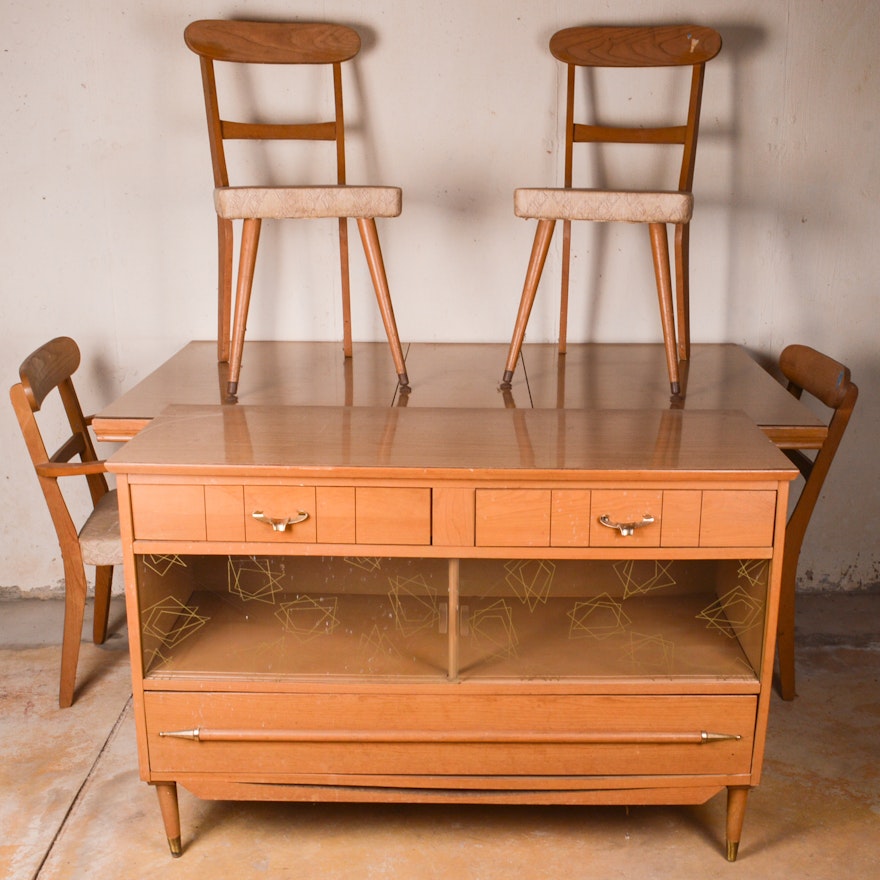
(735, 611)
(308, 618)
(367, 563)
(376, 642)
(597, 618)
(494, 625)
(414, 604)
(754, 571)
(170, 621)
(530, 580)
(652, 653)
(162, 564)
(643, 576)
(252, 579)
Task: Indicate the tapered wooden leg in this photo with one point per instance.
(224, 287)
(103, 583)
(250, 239)
(540, 247)
(682, 289)
(373, 253)
(563, 293)
(346, 287)
(736, 813)
(785, 623)
(167, 792)
(663, 275)
(75, 588)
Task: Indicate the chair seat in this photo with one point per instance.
(601, 205)
(99, 537)
(310, 202)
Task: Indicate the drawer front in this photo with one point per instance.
(268, 735)
(738, 518)
(168, 513)
(393, 515)
(513, 517)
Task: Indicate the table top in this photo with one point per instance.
(452, 443)
(592, 376)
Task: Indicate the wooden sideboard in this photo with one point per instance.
(452, 605)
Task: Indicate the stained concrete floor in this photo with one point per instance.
(72, 805)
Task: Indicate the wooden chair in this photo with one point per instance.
(249, 42)
(97, 542)
(622, 47)
(828, 381)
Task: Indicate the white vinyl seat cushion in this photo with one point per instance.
(309, 202)
(99, 536)
(603, 206)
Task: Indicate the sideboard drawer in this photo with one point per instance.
(392, 515)
(519, 734)
(168, 512)
(513, 517)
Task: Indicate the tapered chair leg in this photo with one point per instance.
(540, 247)
(224, 286)
(75, 588)
(373, 253)
(103, 583)
(250, 239)
(785, 625)
(346, 287)
(682, 289)
(563, 292)
(663, 275)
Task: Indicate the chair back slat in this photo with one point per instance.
(809, 370)
(46, 368)
(269, 42)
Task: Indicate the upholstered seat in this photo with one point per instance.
(603, 206)
(306, 202)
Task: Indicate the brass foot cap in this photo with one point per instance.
(732, 850)
(175, 847)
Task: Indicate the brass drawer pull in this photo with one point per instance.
(627, 528)
(697, 737)
(280, 525)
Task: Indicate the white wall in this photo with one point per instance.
(108, 233)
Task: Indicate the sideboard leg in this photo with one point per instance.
(736, 812)
(167, 792)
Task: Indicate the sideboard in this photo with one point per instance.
(452, 605)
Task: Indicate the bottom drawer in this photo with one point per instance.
(265, 736)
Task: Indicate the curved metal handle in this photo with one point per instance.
(280, 525)
(627, 528)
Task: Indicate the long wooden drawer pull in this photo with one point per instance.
(200, 734)
(627, 528)
(280, 525)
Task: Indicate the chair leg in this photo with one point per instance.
(250, 239)
(785, 628)
(663, 275)
(540, 247)
(346, 287)
(373, 253)
(563, 293)
(224, 287)
(682, 289)
(103, 583)
(75, 588)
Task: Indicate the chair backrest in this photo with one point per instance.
(252, 42)
(631, 47)
(830, 382)
(51, 367)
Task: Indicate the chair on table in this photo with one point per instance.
(249, 42)
(97, 542)
(828, 381)
(621, 47)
